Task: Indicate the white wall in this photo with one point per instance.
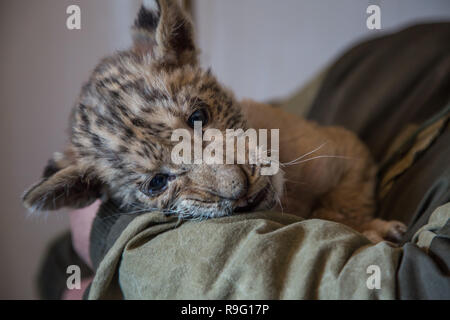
(43, 66)
(264, 48)
(261, 48)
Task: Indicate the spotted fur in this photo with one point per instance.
(122, 124)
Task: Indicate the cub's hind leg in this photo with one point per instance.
(352, 200)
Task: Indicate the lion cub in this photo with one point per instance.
(120, 143)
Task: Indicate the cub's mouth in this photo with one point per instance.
(251, 203)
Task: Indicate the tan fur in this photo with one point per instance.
(337, 184)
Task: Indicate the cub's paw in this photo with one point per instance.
(373, 236)
(381, 230)
(394, 231)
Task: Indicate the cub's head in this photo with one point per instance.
(121, 131)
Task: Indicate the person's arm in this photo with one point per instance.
(80, 225)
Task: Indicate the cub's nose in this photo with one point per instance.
(225, 181)
(231, 181)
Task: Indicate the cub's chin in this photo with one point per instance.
(264, 196)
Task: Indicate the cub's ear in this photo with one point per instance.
(63, 184)
(164, 32)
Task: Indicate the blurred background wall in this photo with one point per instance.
(262, 49)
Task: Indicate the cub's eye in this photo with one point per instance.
(155, 186)
(199, 115)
